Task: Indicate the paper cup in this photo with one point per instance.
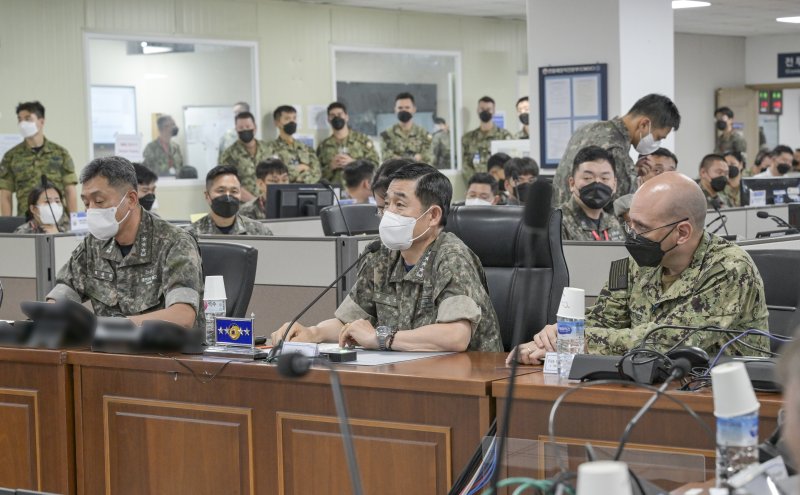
(603, 477)
(215, 288)
(573, 303)
(733, 392)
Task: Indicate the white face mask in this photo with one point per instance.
(103, 221)
(476, 202)
(397, 231)
(46, 216)
(647, 144)
(28, 129)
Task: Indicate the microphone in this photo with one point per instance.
(295, 365)
(720, 217)
(371, 248)
(780, 221)
(44, 186)
(344, 219)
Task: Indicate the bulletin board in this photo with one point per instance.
(205, 126)
(570, 97)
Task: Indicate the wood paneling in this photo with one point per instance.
(20, 461)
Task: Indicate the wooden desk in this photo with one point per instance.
(147, 425)
(37, 450)
(667, 446)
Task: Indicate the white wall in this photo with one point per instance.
(789, 122)
(761, 57)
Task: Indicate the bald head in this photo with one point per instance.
(667, 198)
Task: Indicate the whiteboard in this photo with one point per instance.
(205, 126)
(113, 112)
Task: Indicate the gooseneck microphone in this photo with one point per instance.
(780, 221)
(339, 204)
(720, 218)
(295, 365)
(44, 186)
(371, 248)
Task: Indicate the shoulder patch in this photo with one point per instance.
(618, 275)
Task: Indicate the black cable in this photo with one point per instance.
(473, 464)
(194, 374)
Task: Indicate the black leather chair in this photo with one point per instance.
(361, 218)
(237, 264)
(780, 271)
(505, 246)
(10, 224)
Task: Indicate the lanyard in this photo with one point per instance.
(597, 236)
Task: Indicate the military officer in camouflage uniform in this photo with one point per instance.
(231, 135)
(246, 153)
(678, 274)
(714, 173)
(727, 139)
(523, 113)
(300, 158)
(223, 195)
(735, 190)
(649, 121)
(424, 291)
(133, 264)
(45, 212)
(162, 155)
(441, 144)
(270, 171)
(22, 166)
(476, 145)
(406, 139)
(592, 185)
(343, 146)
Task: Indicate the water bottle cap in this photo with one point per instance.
(214, 288)
(733, 392)
(603, 477)
(573, 304)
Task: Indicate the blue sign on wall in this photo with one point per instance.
(789, 65)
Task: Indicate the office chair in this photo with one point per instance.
(9, 224)
(361, 218)
(780, 271)
(237, 264)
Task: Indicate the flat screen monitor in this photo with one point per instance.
(776, 190)
(297, 200)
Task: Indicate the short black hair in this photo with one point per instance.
(524, 98)
(380, 183)
(724, 111)
(218, 171)
(761, 155)
(709, 159)
(497, 160)
(34, 107)
(243, 104)
(520, 166)
(659, 109)
(270, 166)
(433, 188)
(33, 197)
(357, 171)
(782, 148)
(162, 121)
(593, 154)
(439, 120)
(144, 175)
(484, 178)
(486, 99)
(118, 171)
(737, 155)
(405, 96)
(282, 110)
(244, 115)
(335, 105)
(666, 154)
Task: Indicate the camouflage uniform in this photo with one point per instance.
(157, 160)
(226, 141)
(21, 170)
(445, 286)
(720, 287)
(395, 143)
(255, 209)
(734, 195)
(733, 142)
(476, 148)
(32, 227)
(724, 200)
(242, 226)
(356, 145)
(293, 154)
(237, 156)
(576, 226)
(441, 149)
(521, 135)
(610, 135)
(162, 269)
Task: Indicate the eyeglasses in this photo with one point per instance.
(635, 235)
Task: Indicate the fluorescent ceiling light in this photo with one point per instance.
(688, 4)
(793, 20)
(150, 49)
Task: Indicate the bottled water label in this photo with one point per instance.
(212, 309)
(570, 329)
(737, 440)
(570, 342)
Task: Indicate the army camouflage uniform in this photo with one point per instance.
(237, 156)
(395, 143)
(293, 154)
(610, 135)
(445, 286)
(163, 268)
(576, 226)
(476, 148)
(21, 170)
(734, 142)
(724, 200)
(356, 145)
(32, 227)
(242, 226)
(157, 160)
(734, 195)
(521, 135)
(226, 141)
(255, 209)
(720, 287)
(441, 149)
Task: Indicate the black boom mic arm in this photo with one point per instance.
(339, 204)
(780, 221)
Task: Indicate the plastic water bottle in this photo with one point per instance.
(214, 305)
(569, 326)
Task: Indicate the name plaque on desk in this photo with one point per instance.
(235, 338)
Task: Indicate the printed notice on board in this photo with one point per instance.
(558, 134)
(586, 96)
(558, 104)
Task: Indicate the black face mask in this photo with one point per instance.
(718, 183)
(485, 116)
(524, 118)
(404, 116)
(246, 136)
(784, 168)
(733, 171)
(338, 123)
(225, 206)
(174, 131)
(290, 128)
(722, 125)
(595, 195)
(147, 201)
(647, 253)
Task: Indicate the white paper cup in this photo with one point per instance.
(603, 477)
(733, 392)
(215, 288)
(573, 303)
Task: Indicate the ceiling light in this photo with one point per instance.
(688, 4)
(793, 20)
(151, 50)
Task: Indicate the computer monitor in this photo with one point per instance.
(297, 200)
(776, 190)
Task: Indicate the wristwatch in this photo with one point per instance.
(383, 333)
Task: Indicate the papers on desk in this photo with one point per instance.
(376, 358)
